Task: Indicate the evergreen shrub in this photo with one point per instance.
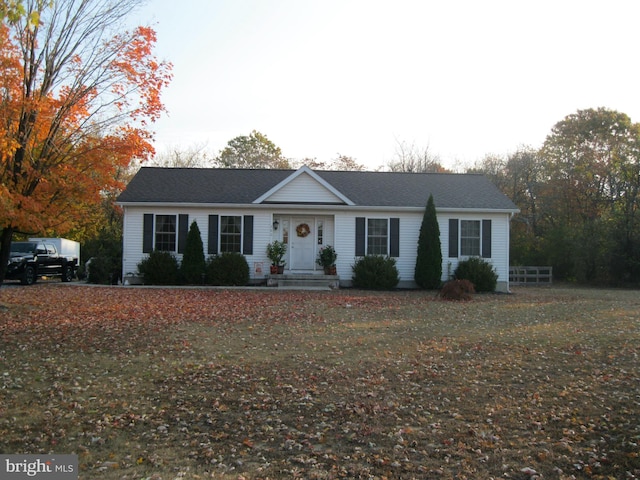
(230, 269)
(479, 272)
(428, 271)
(193, 262)
(160, 268)
(103, 270)
(376, 272)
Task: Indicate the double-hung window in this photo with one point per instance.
(377, 236)
(165, 233)
(470, 238)
(230, 233)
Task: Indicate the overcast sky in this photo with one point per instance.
(355, 77)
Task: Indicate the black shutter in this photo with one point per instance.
(360, 231)
(247, 241)
(147, 233)
(394, 239)
(486, 238)
(212, 248)
(453, 238)
(183, 231)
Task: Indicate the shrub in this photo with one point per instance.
(103, 270)
(479, 272)
(193, 263)
(457, 290)
(228, 269)
(375, 271)
(159, 268)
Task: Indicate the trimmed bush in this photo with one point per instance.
(457, 290)
(479, 272)
(375, 271)
(103, 270)
(229, 269)
(160, 268)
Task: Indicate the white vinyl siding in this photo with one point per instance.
(338, 230)
(304, 187)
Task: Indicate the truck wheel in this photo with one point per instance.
(67, 273)
(29, 276)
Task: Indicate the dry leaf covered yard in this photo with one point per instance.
(255, 384)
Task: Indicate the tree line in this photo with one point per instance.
(79, 93)
(578, 193)
(578, 196)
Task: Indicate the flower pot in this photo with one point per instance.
(330, 270)
(273, 269)
(280, 269)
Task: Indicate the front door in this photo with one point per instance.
(303, 240)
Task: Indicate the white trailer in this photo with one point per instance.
(64, 246)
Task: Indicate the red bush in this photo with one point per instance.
(457, 290)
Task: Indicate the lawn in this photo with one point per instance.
(267, 384)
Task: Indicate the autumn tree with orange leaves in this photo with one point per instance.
(78, 93)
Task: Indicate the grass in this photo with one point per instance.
(256, 384)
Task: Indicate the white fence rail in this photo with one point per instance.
(530, 275)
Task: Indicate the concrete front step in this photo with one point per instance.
(302, 281)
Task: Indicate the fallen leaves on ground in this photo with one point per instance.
(264, 384)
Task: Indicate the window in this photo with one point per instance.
(470, 238)
(165, 233)
(230, 234)
(377, 236)
(320, 232)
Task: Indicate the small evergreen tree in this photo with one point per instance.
(428, 273)
(193, 262)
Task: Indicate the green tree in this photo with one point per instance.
(520, 177)
(252, 151)
(591, 163)
(428, 271)
(193, 261)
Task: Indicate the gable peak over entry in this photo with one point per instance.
(304, 186)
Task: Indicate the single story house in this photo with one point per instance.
(358, 213)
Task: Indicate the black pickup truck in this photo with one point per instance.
(37, 258)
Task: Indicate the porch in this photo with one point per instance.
(304, 281)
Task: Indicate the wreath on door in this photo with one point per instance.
(303, 230)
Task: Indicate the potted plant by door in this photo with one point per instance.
(327, 259)
(276, 251)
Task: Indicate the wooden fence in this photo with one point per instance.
(530, 275)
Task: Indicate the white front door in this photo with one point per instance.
(303, 241)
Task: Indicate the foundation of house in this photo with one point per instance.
(304, 281)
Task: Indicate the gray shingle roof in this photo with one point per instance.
(384, 189)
